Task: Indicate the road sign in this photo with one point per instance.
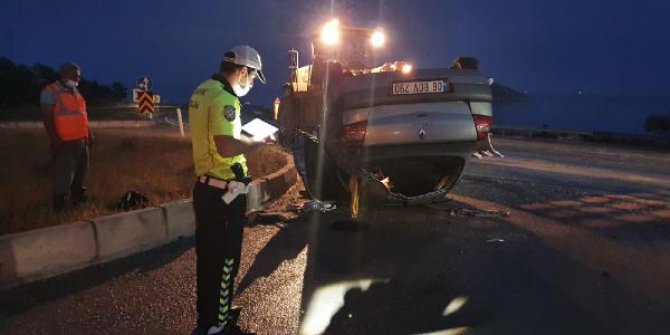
(137, 92)
(144, 83)
(145, 102)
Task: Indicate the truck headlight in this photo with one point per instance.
(378, 38)
(406, 68)
(330, 34)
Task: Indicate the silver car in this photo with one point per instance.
(391, 132)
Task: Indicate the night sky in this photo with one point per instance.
(539, 46)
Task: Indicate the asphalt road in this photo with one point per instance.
(585, 250)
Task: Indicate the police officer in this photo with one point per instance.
(66, 122)
(218, 155)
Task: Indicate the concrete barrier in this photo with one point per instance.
(594, 136)
(271, 186)
(122, 124)
(120, 235)
(8, 125)
(43, 252)
(179, 219)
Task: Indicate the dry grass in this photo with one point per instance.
(157, 162)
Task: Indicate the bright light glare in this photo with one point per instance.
(326, 302)
(406, 68)
(452, 331)
(378, 39)
(455, 305)
(330, 34)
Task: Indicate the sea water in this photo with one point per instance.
(582, 113)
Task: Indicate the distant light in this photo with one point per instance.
(406, 68)
(491, 81)
(330, 34)
(378, 38)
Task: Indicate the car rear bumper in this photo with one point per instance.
(436, 150)
(414, 170)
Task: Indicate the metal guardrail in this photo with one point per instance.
(93, 124)
(165, 114)
(592, 136)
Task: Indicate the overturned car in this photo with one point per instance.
(381, 133)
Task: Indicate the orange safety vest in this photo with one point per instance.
(70, 117)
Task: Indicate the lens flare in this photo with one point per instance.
(378, 39)
(330, 34)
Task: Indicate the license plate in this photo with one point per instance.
(419, 87)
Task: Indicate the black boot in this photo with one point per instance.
(60, 201)
(234, 315)
(79, 195)
(235, 330)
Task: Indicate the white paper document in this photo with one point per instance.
(259, 129)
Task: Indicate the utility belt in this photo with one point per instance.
(233, 187)
(214, 182)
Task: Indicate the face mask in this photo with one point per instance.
(240, 90)
(71, 83)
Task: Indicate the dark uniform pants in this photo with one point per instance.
(70, 162)
(218, 246)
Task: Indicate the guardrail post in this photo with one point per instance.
(181, 123)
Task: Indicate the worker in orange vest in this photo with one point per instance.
(66, 122)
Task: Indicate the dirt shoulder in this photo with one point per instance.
(156, 161)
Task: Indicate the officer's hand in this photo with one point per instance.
(91, 139)
(270, 140)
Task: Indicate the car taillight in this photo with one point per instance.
(353, 135)
(482, 125)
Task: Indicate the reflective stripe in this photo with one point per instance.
(66, 112)
(223, 299)
(225, 292)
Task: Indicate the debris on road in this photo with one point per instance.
(271, 216)
(311, 206)
(478, 213)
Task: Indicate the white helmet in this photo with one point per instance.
(247, 56)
